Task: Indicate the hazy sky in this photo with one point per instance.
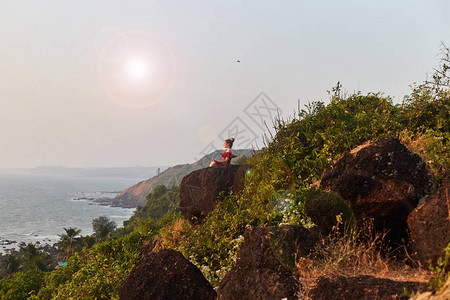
(126, 83)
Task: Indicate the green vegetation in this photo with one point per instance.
(23, 275)
(69, 242)
(21, 285)
(326, 206)
(103, 227)
(96, 273)
(161, 201)
(441, 270)
(276, 190)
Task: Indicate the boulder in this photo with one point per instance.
(201, 190)
(165, 275)
(265, 262)
(442, 294)
(429, 224)
(323, 207)
(361, 287)
(380, 181)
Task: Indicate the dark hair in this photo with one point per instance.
(230, 142)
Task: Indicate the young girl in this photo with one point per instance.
(226, 156)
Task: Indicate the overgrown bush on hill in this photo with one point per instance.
(282, 173)
(160, 202)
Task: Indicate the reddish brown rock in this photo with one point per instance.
(442, 294)
(382, 181)
(361, 287)
(165, 275)
(263, 267)
(201, 190)
(429, 224)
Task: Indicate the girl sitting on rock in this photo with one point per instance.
(226, 156)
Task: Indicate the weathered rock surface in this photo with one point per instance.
(442, 294)
(361, 287)
(201, 190)
(262, 269)
(382, 181)
(429, 224)
(165, 275)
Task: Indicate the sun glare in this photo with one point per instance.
(137, 68)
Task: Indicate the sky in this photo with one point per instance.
(148, 83)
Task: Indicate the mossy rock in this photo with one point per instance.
(325, 208)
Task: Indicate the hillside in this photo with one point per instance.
(135, 195)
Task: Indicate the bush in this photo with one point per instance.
(21, 285)
(328, 209)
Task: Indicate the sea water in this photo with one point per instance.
(37, 208)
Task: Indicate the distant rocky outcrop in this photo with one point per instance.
(201, 190)
(165, 275)
(429, 224)
(265, 261)
(380, 181)
(361, 287)
(135, 195)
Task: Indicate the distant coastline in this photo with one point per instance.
(118, 172)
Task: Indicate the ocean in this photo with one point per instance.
(37, 208)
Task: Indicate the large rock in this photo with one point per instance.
(429, 224)
(361, 287)
(442, 294)
(263, 267)
(381, 181)
(165, 275)
(202, 189)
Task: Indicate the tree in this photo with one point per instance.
(441, 76)
(34, 258)
(10, 265)
(69, 242)
(103, 227)
(22, 285)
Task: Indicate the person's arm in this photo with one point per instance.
(224, 160)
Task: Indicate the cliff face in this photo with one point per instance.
(135, 195)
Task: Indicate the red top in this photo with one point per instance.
(226, 156)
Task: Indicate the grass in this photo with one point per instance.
(172, 234)
(353, 254)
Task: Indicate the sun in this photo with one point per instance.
(137, 68)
